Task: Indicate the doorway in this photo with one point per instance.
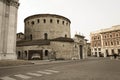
(35, 54)
(81, 51)
(107, 53)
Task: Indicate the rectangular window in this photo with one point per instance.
(119, 51)
(95, 49)
(117, 42)
(99, 49)
(111, 43)
(112, 51)
(38, 21)
(63, 22)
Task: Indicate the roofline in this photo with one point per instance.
(43, 15)
(111, 29)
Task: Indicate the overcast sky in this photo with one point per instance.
(85, 15)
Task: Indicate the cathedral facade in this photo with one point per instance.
(47, 36)
(8, 24)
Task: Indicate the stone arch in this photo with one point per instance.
(46, 52)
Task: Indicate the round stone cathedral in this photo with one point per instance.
(46, 26)
(47, 36)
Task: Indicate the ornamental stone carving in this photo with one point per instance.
(11, 2)
(14, 3)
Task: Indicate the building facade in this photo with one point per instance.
(106, 42)
(47, 36)
(19, 36)
(8, 24)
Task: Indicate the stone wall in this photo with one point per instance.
(61, 50)
(64, 50)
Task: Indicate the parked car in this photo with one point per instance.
(35, 56)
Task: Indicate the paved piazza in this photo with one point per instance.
(91, 69)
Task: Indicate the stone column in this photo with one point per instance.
(1, 20)
(8, 28)
(98, 55)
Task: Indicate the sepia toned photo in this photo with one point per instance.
(59, 40)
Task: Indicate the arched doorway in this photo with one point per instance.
(30, 36)
(46, 52)
(81, 51)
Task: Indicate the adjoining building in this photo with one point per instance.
(106, 42)
(89, 49)
(8, 24)
(19, 36)
(47, 36)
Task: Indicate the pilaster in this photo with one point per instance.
(8, 18)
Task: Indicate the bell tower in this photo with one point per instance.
(8, 25)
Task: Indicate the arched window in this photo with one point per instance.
(28, 22)
(31, 37)
(45, 36)
(18, 56)
(51, 20)
(44, 20)
(32, 23)
(111, 36)
(65, 35)
(66, 23)
(46, 52)
(63, 22)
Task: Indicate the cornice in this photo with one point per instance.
(14, 3)
(47, 15)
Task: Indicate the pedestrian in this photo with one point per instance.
(115, 56)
